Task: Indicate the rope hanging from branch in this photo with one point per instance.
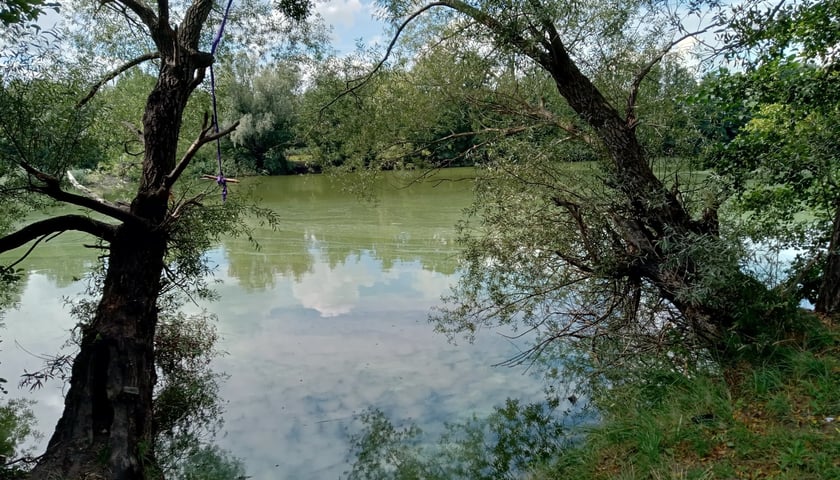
(220, 178)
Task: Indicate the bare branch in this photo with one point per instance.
(180, 284)
(645, 70)
(183, 205)
(138, 133)
(80, 223)
(204, 137)
(90, 193)
(505, 132)
(360, 82)
(23, 257)
(134, 130)
(578, 263)
(114, 73)
(541, 114)
(106, 208)
(48, 179)
(575, 211)
(52, 188)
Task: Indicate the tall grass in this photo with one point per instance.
(779, 420)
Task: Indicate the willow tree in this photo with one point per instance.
(106, 430)
(635, 259)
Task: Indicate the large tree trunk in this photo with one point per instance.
(106, 429)
(649, 213)
(828, 299)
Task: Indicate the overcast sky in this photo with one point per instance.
(352, 21)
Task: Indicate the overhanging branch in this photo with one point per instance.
(105, 208)
(501, 30)
(113, 74)
(359, 82)
(80, 223)
(459, 6)
(52, 188)
(645, 70)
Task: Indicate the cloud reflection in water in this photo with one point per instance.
(310, 353)
(327, 319)
(306, 354)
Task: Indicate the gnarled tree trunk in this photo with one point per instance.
(106, 429)
(649, 215)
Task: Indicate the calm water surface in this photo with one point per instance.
(326, 319)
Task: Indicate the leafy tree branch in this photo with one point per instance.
(115, 73)
(81, 223)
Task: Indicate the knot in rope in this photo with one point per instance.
(222, 181)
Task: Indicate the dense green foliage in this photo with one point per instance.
(668, 408)
(417, 115)
(21, 11)
(265, 102)
(778, 157)
(789, 190)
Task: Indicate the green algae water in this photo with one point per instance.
(326, 318)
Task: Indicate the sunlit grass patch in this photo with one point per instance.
(775, 421)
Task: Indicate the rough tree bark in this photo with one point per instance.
(650, 212)
(828, 298)
(106, 430)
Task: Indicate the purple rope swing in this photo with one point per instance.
(220, 178)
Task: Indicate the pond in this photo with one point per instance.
(327, 318)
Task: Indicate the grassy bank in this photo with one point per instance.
(775, 420)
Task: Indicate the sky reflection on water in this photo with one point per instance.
(326, 319)
(308, 355)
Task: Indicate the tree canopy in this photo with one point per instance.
(21, 11)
